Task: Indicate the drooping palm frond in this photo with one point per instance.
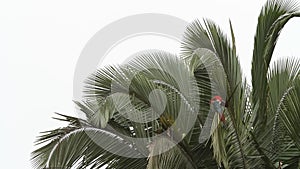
(269, 89)
(141, 76)
(164, 101)
(211, 38)
(273, 140)
(92, 150)
(163, 71)
(48, 139)
(273, 17)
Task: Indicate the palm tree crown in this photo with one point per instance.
(167, 107)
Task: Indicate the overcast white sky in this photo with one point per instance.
(40, 42)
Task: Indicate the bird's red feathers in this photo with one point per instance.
(216, 98)
(222, 117)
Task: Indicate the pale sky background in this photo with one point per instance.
(40, 42)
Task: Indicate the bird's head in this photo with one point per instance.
(217, 99)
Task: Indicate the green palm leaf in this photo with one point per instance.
(271, 21)
(164, 100)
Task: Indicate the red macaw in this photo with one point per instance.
(218, 104)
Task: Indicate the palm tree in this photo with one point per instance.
(262, 120)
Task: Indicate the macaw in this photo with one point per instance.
(215, 116)
(218, 103)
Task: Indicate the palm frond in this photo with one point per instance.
(274, 15)
(290, 113)
(164, 101)
(174, 158)
(273, 139)
(89, 143)
(48, 139)
(211, 37)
